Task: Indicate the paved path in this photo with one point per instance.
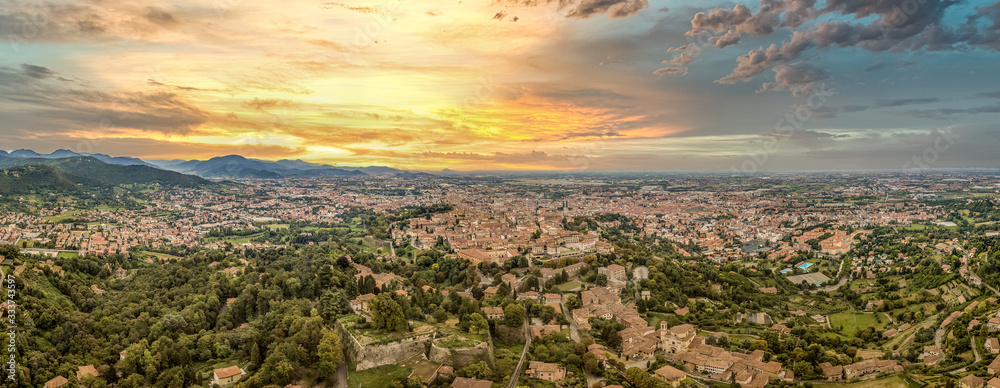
(938, 336)
(842, 282)
(573, 326)
(524, 355)
(342, 375)
(975, 350)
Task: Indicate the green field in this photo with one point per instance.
(165, 256)
(852, 321)
(888, 382)
(65, 215)
(67, 255)
(277, 226)
(377, 377)
(232, 239)
(570, 285)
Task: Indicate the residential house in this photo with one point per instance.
(86, 370)
(614, 272)
(992, 345)
(493, 313)
(971, 381)
(360, 303)
(56, 382)
(994, 366)
(464, 382)
(545, 371)
(670, 375)
(223, 377)
(831, 372)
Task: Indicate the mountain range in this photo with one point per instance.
(39, 175)
(61, 153)
(229, 166)
(236, 166)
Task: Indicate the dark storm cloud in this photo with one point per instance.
(159, 16)
(895, 25)
(582, 9)
(36, 99)
(37, 72)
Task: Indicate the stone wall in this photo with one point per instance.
(461, 357)
(370, 356)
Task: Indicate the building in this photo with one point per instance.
(475, 256)
(56, 382)
(463, 382)
(971, 381)
(677, 338)
(226, 376)
(545, 371)
(670, 375)
(993, 383)
(493, 312)
(831, 372)
(992, 345)
(870, 368)
(360, 303)
(86, 370)
(994, 366)
(614, 272)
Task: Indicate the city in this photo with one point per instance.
(500, 193)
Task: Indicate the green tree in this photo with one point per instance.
(478, 324)
(387, 314)
(513, 315)
(330, 353)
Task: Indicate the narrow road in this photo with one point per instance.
(524, 355)
(342, 375)
(972, 341)
(842, 282)
(938, 336)
(573, 326)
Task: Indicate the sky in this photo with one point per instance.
(509, 84)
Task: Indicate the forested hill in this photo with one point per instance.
(174, 320)
(25, 180)
(90, 172)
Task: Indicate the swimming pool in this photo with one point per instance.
(805, 265)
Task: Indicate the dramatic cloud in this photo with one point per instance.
(797, 78)
(894, 25)
(582, 9)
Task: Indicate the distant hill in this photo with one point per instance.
(61, 153)
(90, 171)
(236, 166)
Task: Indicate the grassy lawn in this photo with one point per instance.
(232, 239)
(276, 226)
(165, 256)
(422, 369)
(377, 377)
(654, 320)
(368, 335)
(888, 382)
(65, 215)
(570, 285)
(67, 255)
(852, 321)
